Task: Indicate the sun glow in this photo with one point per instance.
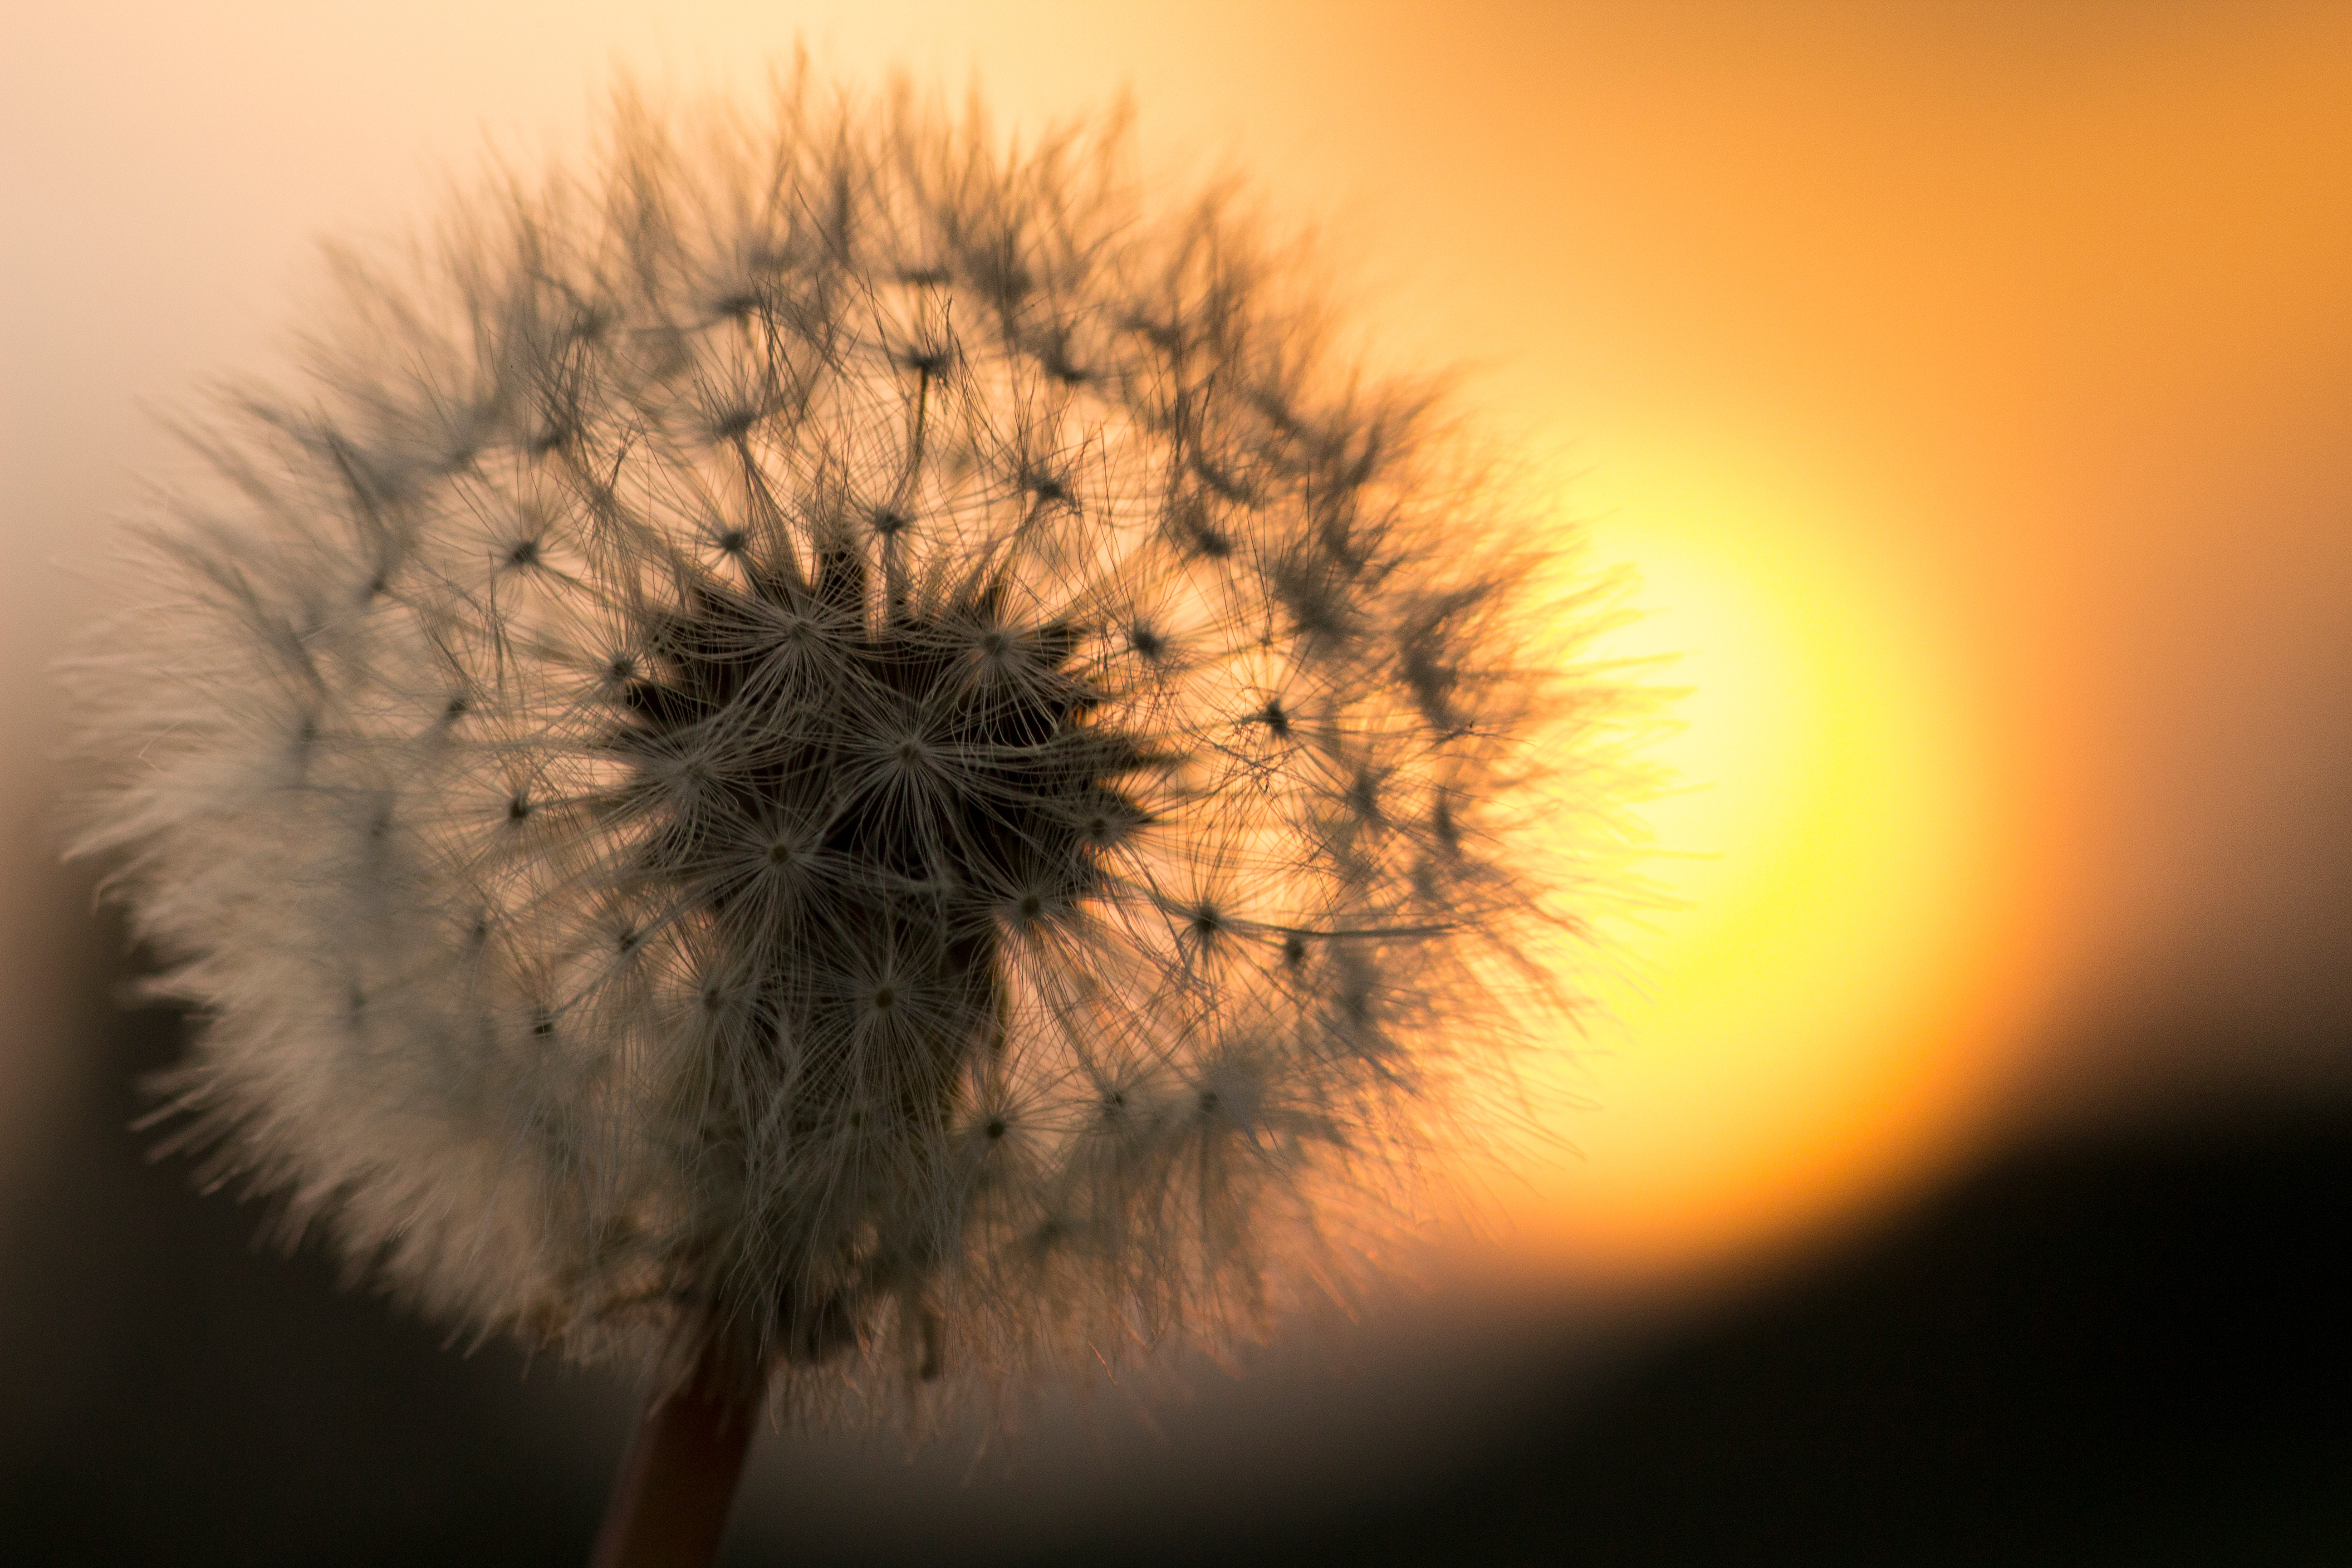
(1812, 1017)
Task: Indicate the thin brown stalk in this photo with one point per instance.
(670, 1505)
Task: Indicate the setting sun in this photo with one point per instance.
(1809, 1018)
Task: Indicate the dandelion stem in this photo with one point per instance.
(670, 1505)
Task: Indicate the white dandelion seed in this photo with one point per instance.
(828, 753)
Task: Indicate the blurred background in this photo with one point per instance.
(1962, 1172)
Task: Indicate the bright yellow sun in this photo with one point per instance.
(1819, 1015)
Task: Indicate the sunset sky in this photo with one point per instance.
(1970, 386)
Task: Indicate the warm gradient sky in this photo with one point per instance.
(1973, 387)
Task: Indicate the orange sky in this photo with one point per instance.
(1972, 384)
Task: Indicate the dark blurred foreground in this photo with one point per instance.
(2133, 1348)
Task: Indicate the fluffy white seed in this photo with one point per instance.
(833, 736)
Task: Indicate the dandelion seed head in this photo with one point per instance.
(831, 732)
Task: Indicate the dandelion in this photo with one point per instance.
(828, 760)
